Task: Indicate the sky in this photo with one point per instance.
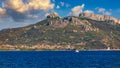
(19, 13)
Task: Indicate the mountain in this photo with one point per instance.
(99, 17)
(88, 31)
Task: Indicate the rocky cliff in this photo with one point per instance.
(99, 17)
(53, 15)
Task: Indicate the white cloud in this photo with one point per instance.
(67, 5)
(88, 11)
(77, 10)
(57, 6)
(62, 3)
(118, 10)
(20, 6)
(3, 13)
(107, 13)
(103, 11)
(20, 10)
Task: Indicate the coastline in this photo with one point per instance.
(62, 50)
(45, 47)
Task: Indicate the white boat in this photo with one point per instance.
(76, 50)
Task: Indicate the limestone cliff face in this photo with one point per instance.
(63, 22)
(53, 15)
(99, 17)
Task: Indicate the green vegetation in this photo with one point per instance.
(74, 35)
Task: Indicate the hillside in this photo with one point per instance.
(67, 33)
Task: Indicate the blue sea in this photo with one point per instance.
(59, 59)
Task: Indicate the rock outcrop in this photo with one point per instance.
(53, 15)
(63, 22)
(99, 17)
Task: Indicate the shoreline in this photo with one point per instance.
(60, 50)
(45, 47)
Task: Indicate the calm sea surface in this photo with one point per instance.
(59, 59)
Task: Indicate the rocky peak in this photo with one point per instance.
(53, 15)
(99, 17)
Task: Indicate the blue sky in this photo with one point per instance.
(113, 6)
(18, 13)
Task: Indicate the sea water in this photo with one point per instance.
(59, 59)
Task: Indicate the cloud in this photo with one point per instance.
(88, 11)
(62, 3)
(19, 10)
(20, 6)
(107, 13)
(57, 6)
(77, 10)
(103, 11)
(53, 0)
(3, 13)
(67, 5)
(117, 10)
